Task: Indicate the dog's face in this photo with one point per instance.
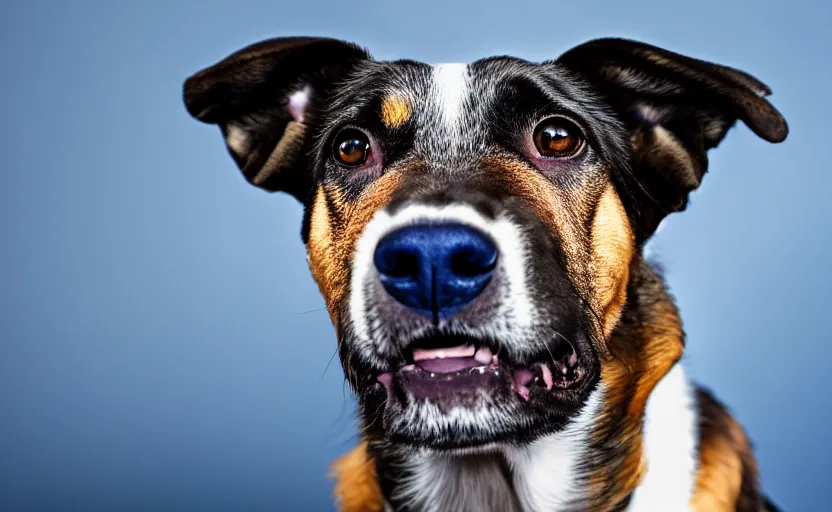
(472, 227)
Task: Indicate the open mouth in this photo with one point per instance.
(450, 369)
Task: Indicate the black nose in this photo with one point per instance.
(435, 270)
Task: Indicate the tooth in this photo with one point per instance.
(523, 391)
(420, 354)
(547, 375)
(483, 355)
(573, 359)
(386, 378)
(494, 360)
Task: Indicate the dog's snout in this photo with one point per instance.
(435, 270)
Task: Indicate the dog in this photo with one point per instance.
(477, 233)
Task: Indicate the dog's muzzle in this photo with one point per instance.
(457, 329)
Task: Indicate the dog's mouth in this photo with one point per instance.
(452, 370)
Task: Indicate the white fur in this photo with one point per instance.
(450, 86)
(547, 472)
(237, 139)
(650, 113)
(670, 434)
(440, 481)
(298, 101)
(484, 415)
(516, 313)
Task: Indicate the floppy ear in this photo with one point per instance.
(263, 97)
(675, 108)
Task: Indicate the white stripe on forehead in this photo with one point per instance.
(450, 86)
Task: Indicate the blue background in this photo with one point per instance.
(162, 346)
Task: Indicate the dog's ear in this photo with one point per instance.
(675, 108)
(263, 96)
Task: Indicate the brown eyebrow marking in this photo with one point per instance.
(396, 110)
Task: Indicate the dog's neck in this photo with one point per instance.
(543, 475)
(599, 460)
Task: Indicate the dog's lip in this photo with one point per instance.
(452, 367)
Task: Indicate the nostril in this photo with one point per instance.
(397, 264)
(473, 261)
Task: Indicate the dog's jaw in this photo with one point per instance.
(554, 473)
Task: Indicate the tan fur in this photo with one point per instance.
(612, 250)
(356, 482)
(548, 202)
(395, 111)
(331, 244)
(642, 352)
(719, 479)
(565, 213)
(318, 251)
(284, 154)
(727, 476)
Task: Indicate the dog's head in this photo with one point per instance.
(472, 227)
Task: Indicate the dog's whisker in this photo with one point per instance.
(546, 346)
(311, 311)
(334, 353)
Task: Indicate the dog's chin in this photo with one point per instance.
(472, 399)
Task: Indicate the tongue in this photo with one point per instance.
(448, 364)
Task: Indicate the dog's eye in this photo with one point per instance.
(351, 148)
(557, 137)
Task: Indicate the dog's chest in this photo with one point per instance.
(543, 476)
(465, 484)
(548, 474)
(516, 482)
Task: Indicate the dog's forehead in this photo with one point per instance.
(453, 109)
(443, 104)
(450, 125)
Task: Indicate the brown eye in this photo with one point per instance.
(352, 148)
(558, 137)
